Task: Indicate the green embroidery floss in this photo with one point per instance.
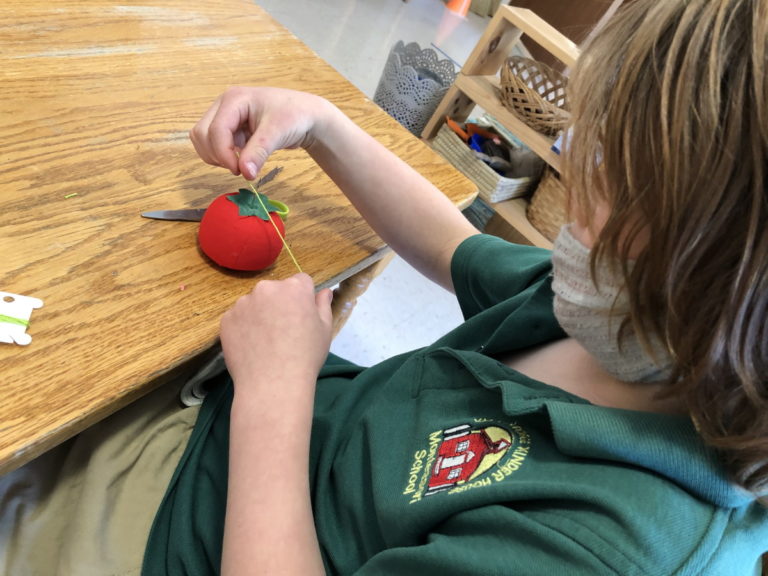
(282, 239)
(288, 248)
(11, 320)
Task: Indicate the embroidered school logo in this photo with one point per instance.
(466, 457)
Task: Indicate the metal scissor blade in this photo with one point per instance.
(186, 215)
(269, 176)
(196, 214)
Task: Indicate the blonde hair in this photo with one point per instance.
(670, 130)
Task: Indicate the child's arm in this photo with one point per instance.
(405, 209)
(275, 340)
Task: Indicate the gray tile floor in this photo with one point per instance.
(401, 310)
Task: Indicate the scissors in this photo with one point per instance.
(196, 214)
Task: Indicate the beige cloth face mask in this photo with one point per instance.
(594, 316)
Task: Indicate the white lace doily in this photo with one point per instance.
(412, 84)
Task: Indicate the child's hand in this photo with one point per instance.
(255, 122)
(278, 334)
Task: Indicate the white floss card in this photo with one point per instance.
(15, 312)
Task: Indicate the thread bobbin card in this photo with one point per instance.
(15, 312)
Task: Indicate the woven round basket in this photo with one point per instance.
(535, 93)
(547, 209)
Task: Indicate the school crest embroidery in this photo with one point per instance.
(466, 457)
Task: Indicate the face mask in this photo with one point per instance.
(594, 316)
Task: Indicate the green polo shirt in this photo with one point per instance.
(444, 461)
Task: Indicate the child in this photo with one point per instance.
(601, 411)
(458, 458)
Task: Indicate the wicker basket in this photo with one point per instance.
(535, 93)
(547, 208)
(492, 187)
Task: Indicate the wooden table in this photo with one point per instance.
(98, 98)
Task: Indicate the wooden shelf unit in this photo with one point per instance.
(477, 84)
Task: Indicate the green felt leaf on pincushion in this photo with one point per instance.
(248, 204)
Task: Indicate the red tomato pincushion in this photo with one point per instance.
(236, 233)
